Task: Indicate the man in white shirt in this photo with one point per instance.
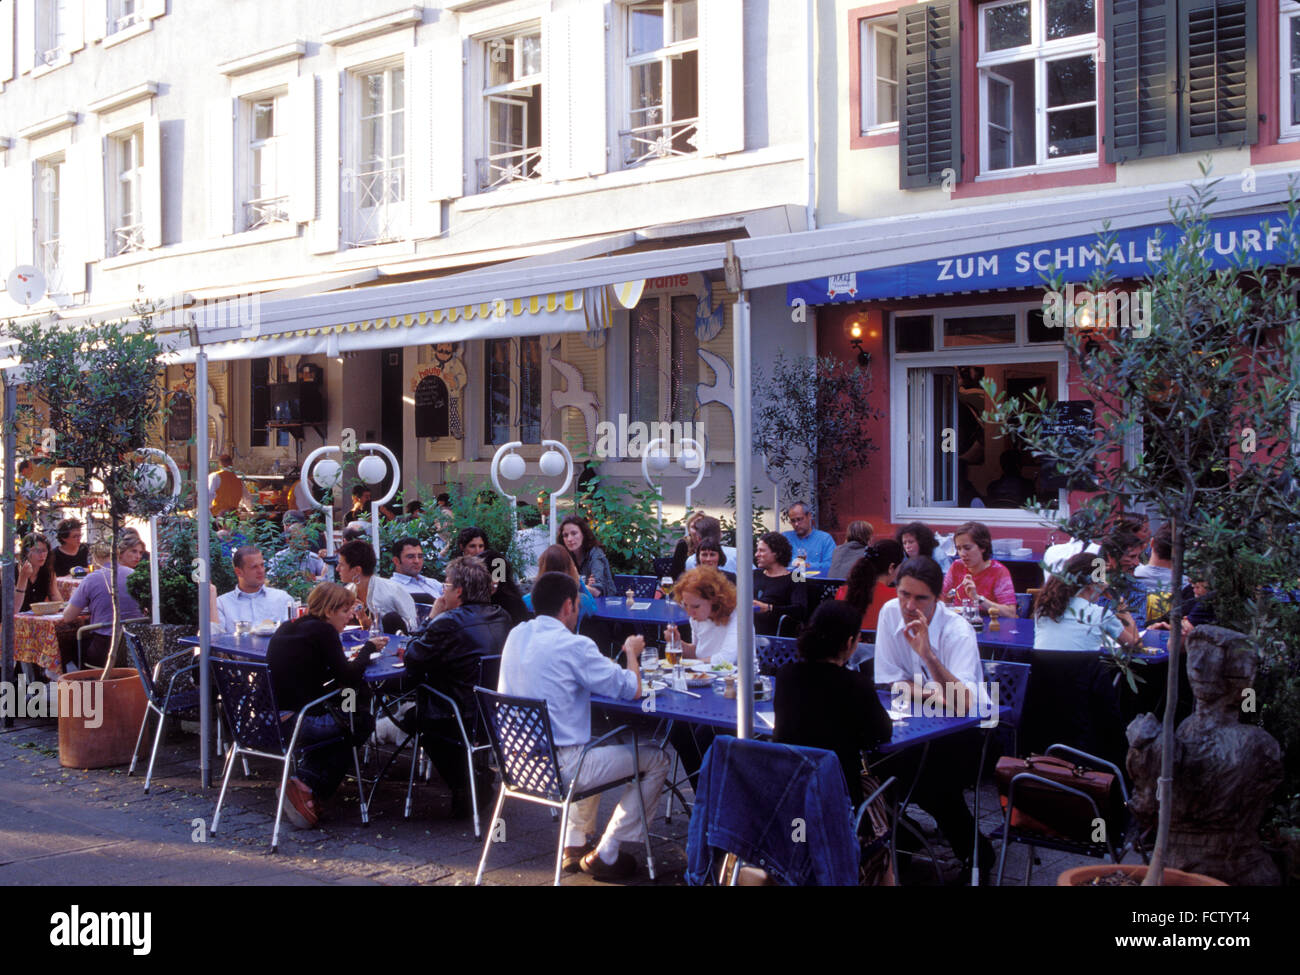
(252, 600)
(408, 560)
(544, 658)
(928, 654)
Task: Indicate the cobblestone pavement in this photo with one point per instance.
(70, 826)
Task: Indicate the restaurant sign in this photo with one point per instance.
(1132, 254)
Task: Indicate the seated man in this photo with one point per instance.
(924, 649)
(252, 600)
(544, 658)
(408, 560)
(93, 596)
(446, 656)
(816, 545)
(297, 555)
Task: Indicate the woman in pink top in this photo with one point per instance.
(976, 575)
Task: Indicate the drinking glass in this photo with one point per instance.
(666, 586)
(649, 660)
(673, 651)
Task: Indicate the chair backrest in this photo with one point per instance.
(135, 653)
(520, 731)
(774, 652)
(821, 590)
(422, 598)
(249, 704)
(661, 566)
(1012, 680)
(1024, 605)
(643, 587)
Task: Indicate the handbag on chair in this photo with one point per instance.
(1053, 812)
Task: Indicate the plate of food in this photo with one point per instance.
(699, 680)
(713, 670)
(655, 685)
(265, 628)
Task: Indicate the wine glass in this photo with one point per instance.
(666, 586)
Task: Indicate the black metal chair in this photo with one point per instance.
(821, 590)
(661, 566)
(179, 700)
(643, 587)
(254, 717)
(774, 652)
(520, 732)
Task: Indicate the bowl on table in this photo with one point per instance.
(47, 609)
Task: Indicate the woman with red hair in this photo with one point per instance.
(709, 599)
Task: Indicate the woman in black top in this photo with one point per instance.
(35, 579)
(70, 551)
(819, 704)
(776, 594)
(306, 660)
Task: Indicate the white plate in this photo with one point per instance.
(657, 685)
(703, 668)
(264, 630)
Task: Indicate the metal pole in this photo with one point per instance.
(375, 505)
(744, 518)
(174, 478)
(568, 479)
(7, 589)
(203, 515)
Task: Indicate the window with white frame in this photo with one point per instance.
(662, 64)
(1289, 59)
(126, 191)
(264, 176)
(664, 369)
(48, 233)
(878, 75)
(123, 14)
(946, 456)
(1037, 84)
(52, 22)
(375, 187)
(512, 108)
(512, 390)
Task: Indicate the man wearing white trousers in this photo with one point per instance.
(544, 658)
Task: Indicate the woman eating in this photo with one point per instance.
(976, 576)
(70, 552)
(305, 658)
(710, 601)
(776, 594)
(35, 582)
(1067, 617)
(587, 555)
(871, 580)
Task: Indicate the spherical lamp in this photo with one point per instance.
(151, 478)
(658, 460)
(372, 469)
(327, 473)
(552, 463)
(512, 467)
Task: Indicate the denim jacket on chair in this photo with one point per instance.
(751, 795)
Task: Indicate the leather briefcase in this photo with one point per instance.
(1052, 812)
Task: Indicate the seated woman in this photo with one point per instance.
(711, 555)
(707, 528)
(871, 580)
(36, 581)
(470, 541)
(380, 598)
(305, 658)
(845, 556)
(71, 552)
(685, 547)
(555, 558)
(820, 704)
(976, 575)
(505, 591)
(587, 555)
(917, 539)
(776, 594)
(710, 601)
(1067, 617)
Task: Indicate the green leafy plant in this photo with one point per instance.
(625, 522)
(178, 593)
(1206, 392)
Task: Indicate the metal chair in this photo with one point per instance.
(820, 591)
(90, 629)
(643, 587)
(521, 737)
(1105, 849)
(774, 652)
(178, 701)
(661, 566)
(1024, 605)
(1011, 683)
(249, 703)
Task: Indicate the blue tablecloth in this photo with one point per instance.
(1018, 634)
(659, 612)
(386, 666)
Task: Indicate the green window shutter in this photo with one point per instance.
(1141, 79)
(929, 96)
(1220, 91)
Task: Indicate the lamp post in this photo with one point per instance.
(507, 464)
(372, 470)
(327, 476)
(153, 477)
(690, 457)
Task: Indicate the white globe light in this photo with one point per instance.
(690, 459)
(151, 478)
(552, 463)
(658, 460)
(372, 469)
(327, 473)
(512, 467)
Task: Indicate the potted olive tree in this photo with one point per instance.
(1193, 419)
(98, 386)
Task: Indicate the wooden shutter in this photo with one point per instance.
(22, 212)
(1220, 97)
(722, 77)
(85, 166)
(6, 42)
(588, 153)
(719, 424)
(555, 100)
(72, 209)
(26, 34)
(572, 424)
(929, 95)
(1141, 79)
(10, 187)
(95, 20)
(300, 134)
(446, 102)
(325, 226)
(153, 8)
(75, 31)
(221, 166)
(151, 183)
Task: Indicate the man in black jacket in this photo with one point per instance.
(446, 655)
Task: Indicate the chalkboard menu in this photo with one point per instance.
(180, 416)
(432, 408)
(1072, 420)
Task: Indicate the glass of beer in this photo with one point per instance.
(666, 586)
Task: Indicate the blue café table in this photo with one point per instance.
(383, 667)
(648, 612)
(1018, 634)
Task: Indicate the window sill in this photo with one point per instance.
(1005, 517)
(370, 254)
(993, 185)
(263, 235)
(880, 136)
(124, 35)
(41, 70)
(1286, 149)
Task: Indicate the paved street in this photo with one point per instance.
(67, 826)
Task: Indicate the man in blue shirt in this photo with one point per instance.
(252, 600)
(816, 545)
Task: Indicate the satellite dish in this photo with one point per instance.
(26, 284)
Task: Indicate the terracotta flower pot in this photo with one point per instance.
(99, 720)
(1083, 876)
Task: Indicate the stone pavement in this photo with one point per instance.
(68, 826)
